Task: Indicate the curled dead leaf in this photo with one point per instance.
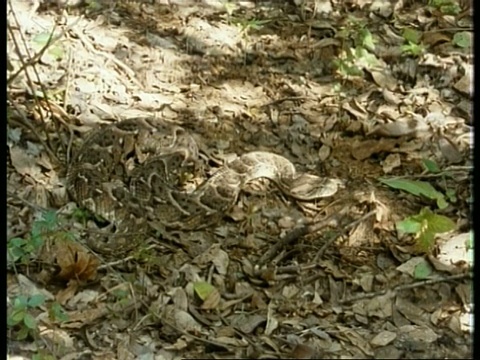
(66, 294)
(384, 80)
(212, 301)
(449, 150)
(24, 163)
(465, 84)
(367, 148)
(75, 262)
(412, 127)
(433, 38)
(301, 351)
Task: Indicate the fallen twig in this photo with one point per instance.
(341, 233)
(395, 290)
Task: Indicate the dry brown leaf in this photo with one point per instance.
(272, 322)
(365, 149)
(324, 152)
(212, 301)
(301, 351)
(75, 262)
(257, 301)
(380, 306)
(465, 84)
(357, 110)
(248, 323)
(356, 339)
(433, 38)
(383, 338)
(79, 318)
(464, 291)
(391, 162)
(384, 80)
(186, 322)
(411, 311)
(66, 294)
(390, 97)
(449, 150)
(399, 128)
(419, 333)
(23, 163)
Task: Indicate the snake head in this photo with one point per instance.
(308, 187)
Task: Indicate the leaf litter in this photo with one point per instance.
(337, 87)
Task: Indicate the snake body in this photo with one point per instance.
(132, 172)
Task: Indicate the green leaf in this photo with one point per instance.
(36, 243)
(462, 39)
(20, 302)
(425, 225)
(57, 313)
(16, 317)
(121, 293)
(368, 41)
(30, 321)
(422, 271)
(425, 241)
(451, 195)
(42, 39)
(442, 203)
(36, 300)
(22, 334)
(431, 166)
(409, 226)
(469, 245)
(412, 49)
(431, 224)
(439, 223)
(411, 36)
(17, 242)
(417, 188)
(43, 356)
(452, 9)
(15, 253)
(50, 218)
(56, 51)
(203, 289)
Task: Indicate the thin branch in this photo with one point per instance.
(399, 288)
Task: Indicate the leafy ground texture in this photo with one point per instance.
(373, 92)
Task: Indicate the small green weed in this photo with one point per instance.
(20, 319)
(57, 313)
(463, 39)
(413, 49)
(426, 224)
(249, 25)
(360, 56)
(417, 188)
(412, 46)
(24, 250)
(447, 7)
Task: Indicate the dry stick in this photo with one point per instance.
(341, 233)
(55, 106)
(183, 332)
(29, 125)
(30, 82)
(294, 235)
(28, 203)
(288, 98)
(129, 72)
(24, 65)
(33, 59)
(50, 41)
(395, 290)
